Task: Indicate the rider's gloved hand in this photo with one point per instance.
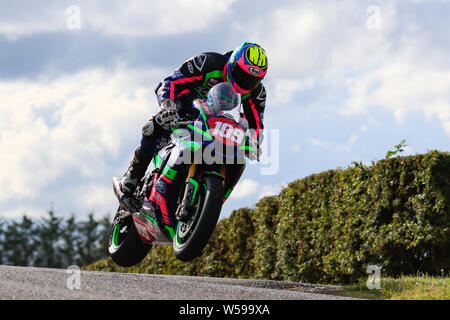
(254, 150)
(168, 115)
(168, 104)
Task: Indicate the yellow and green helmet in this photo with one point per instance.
(246, 67)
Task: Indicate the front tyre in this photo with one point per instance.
(192, 236)
(125, 246)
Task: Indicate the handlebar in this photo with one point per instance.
(183, 123)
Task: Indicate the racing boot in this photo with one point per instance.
(135, 172)
(155, 134)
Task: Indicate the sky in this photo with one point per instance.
(347, 81)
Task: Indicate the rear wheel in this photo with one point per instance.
(192, 236)
(125, 246)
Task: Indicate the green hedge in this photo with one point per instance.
(328, 227)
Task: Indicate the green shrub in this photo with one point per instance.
(265, 247)
(395, 214)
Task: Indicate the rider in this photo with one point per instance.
(243, 69)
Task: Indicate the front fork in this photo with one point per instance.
(187, 207)
(230, 175)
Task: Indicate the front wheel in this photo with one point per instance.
(192, 236)
(125, 247)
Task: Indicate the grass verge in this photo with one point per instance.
(403, 288)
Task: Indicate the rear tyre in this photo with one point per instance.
(192, 236)
(125, 246)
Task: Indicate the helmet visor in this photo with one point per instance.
(244, 79)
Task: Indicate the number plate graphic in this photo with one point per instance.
(227, 131)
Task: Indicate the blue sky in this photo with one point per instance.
(347, 81)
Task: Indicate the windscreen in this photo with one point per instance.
(223, 101)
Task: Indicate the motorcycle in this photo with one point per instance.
(207, 147)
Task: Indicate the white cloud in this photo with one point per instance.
(21, 18)
(15, 212)
(155, 18)
(296, 147)
(71, 124)
(97, 198)
(316, 142)
(269, 190)
(313, 44)
(249, 188)
(402, 85)
(133, 18)
(347, 146)
(350, 143)
(320, 39)
(245, 188)
(284, 88)
(402, 67)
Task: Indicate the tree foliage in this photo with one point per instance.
(53, 241)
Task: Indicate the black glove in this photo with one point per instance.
(255, 150)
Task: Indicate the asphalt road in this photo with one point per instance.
(23, 283)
